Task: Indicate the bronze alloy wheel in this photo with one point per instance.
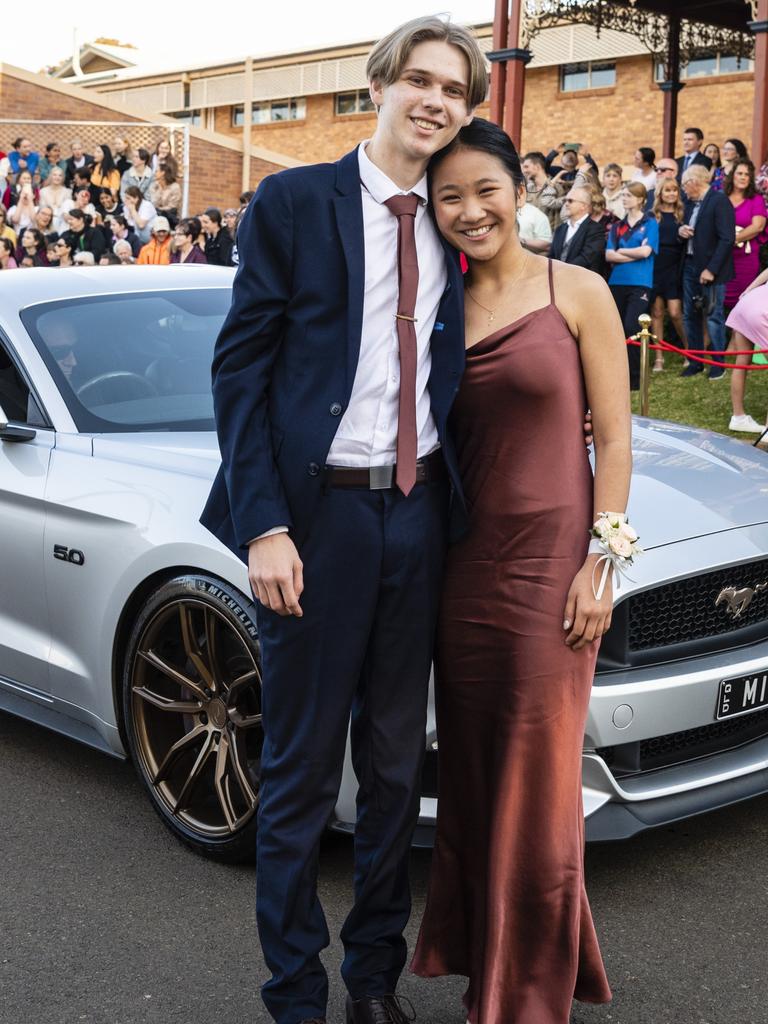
(193, 712)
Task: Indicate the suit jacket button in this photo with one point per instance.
(313, 469)
(335, 409)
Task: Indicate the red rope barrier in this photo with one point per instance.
(695, 355)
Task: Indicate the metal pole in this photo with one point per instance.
(760, 125)
(185, 186)
(645, 337)
(672, 86)
(499, 68)
(247, 119)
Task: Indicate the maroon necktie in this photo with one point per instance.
(404, 208)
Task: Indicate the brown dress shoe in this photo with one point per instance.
(379, 1010)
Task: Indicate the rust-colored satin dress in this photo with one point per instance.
(507, 905)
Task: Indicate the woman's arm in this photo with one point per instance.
(754, 229)
(761, 279)
(641, 252)
(143, 214)
(588, 306)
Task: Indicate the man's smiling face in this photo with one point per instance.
(424, 109)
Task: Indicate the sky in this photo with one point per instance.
(188, 33)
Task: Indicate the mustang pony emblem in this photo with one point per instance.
(738, 601)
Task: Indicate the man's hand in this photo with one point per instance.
(685, 231)
(706, 277)
(276, 573)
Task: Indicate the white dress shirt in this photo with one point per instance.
(367, 434)
(573, 227)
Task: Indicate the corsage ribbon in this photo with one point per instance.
(614, 537)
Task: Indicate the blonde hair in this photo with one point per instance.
(679, 210)
(388, 57)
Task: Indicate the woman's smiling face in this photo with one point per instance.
(476, 202)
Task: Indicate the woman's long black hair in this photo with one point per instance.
(107, 161)
(486, 137)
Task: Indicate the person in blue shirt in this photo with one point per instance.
(23, 158)
(632, 246)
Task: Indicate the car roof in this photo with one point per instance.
(47, 284)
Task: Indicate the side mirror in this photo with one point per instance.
(12, 433)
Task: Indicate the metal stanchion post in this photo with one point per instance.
(645, 338)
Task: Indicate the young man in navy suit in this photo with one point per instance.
(331, 367)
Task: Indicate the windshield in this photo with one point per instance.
(138, 361)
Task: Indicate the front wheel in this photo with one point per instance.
(192, 706)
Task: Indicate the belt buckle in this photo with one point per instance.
(380, 477)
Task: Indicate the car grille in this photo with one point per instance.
(679, 620)
(685, 611)
(679, 747)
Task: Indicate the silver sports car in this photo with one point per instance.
(127, 626)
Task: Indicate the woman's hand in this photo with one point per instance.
(585, 617)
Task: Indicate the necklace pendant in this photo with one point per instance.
(491, 318)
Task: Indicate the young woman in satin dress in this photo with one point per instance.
(520, 624)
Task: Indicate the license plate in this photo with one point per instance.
(741, 695)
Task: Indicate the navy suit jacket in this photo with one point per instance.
(700, 158)
(286, 355)
(587, 248)
(714, 236)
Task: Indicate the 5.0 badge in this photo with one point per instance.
(66, 554)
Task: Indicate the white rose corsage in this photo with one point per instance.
(615, 539)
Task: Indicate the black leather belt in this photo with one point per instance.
(382, 478)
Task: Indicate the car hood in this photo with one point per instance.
(686, 482)
(690, 483)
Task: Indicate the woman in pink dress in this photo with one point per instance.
(749, 322)
(750, 210)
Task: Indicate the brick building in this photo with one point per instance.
(47, 109)
(313, 105)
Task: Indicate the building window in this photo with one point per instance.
(269, 112)
(358, 102)
(587, 75)
(192, 117)
(707, 65)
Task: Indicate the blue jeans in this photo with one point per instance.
(694, 320)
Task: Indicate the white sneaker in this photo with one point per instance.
(745, 424)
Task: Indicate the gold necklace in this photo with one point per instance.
(492, 312)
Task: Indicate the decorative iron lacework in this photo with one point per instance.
(697, 39)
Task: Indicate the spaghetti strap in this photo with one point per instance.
(551, 285)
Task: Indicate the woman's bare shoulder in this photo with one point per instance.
(579, 293)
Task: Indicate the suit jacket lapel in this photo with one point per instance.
(348, 206)
(452, 307)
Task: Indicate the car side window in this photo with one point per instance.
(17, 401)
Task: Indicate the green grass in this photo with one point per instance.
(700, 402)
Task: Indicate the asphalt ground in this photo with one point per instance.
(106, 919)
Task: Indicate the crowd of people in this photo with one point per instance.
(679, 239)
(120, 204)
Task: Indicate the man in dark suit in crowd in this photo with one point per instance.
(333, 377)
(692, 155)
(709, 231)
(579, 239)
